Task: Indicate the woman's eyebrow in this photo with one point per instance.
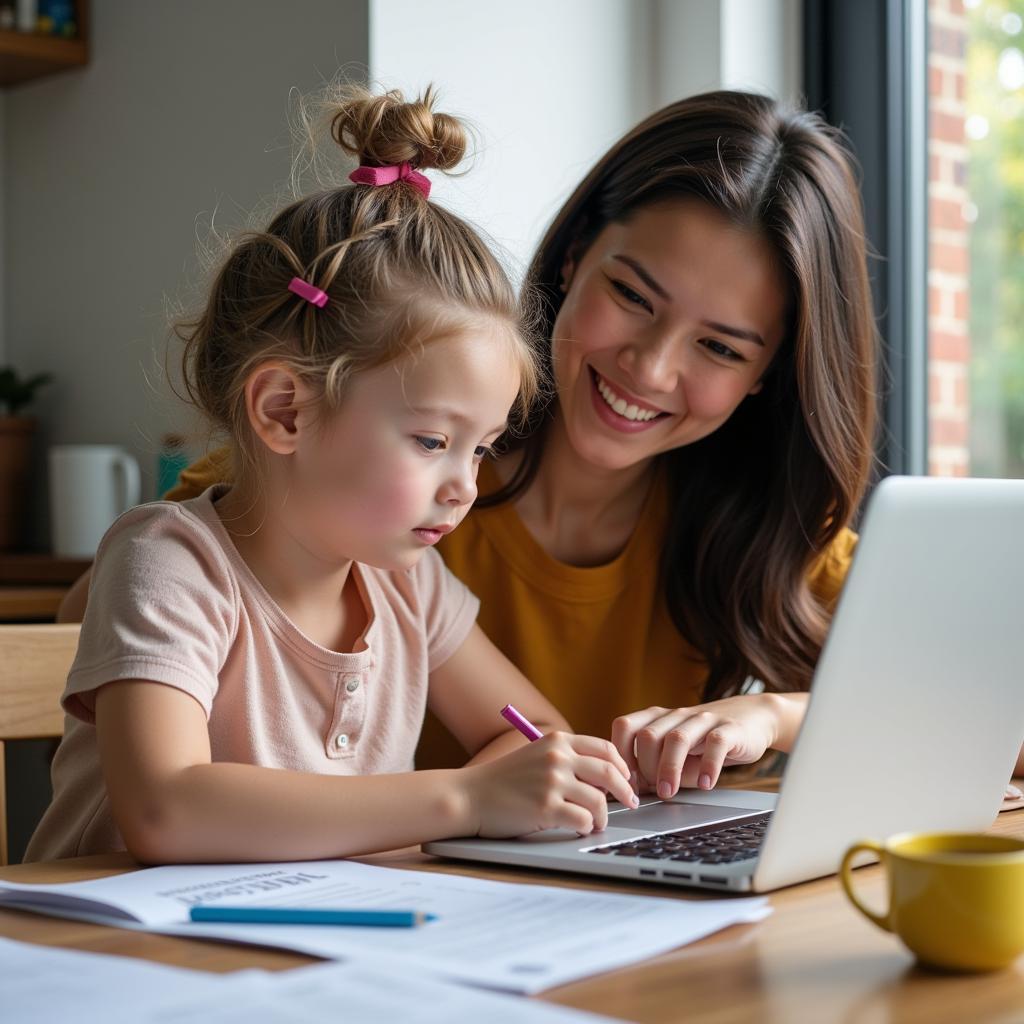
(736, 332)
(644, 276)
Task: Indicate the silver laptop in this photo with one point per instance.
(915, 719)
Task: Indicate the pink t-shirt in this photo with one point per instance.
(172, 601)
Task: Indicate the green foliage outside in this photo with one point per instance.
(995, 92)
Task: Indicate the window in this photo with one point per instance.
(976, 237)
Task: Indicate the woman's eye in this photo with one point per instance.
(430, 444)
(483, 451)
(721, 349)
(631, 296)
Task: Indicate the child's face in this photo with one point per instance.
(395, 468)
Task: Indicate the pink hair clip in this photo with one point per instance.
(389, 175)
(306, 291)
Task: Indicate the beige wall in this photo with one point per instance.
(108, 174)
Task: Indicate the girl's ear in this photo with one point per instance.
(273, 396)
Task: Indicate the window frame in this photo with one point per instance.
(865, 70)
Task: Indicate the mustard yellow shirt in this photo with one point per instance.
(597, 642)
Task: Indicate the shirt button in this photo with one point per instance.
(352, 685)
(342, 741)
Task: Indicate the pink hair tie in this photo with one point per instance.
(306, 291)
(389, 175)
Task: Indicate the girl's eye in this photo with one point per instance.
(483, 451)
(631, 296)
(430, 444)
(721, 349)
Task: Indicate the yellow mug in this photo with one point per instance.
(955, 899)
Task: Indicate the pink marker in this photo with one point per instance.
(524, 725)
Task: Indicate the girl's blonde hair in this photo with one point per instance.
(397, 269)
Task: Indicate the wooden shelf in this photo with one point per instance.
(20, 568)
(24, 56)
(30, 604)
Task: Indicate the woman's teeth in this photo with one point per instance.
(629, 412)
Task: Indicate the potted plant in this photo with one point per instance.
(15, 452)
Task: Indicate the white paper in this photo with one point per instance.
(354, 992)
(517, 937)
(41, 983)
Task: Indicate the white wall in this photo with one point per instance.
(109, 173)
(549, 84)
(727, 44)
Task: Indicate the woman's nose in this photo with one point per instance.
(653, 361)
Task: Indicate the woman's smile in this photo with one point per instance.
(619, 409)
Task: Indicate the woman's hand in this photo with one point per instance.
(667, 748)
(559, 781)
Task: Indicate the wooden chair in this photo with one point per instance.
(34, 665)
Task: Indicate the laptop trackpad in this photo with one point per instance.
(662, 817)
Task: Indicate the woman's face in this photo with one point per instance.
(669, 321)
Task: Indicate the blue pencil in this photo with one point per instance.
(309, 915)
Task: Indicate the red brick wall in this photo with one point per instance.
(949, 343)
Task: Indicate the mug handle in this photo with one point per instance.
(883, 921)
(132, 482)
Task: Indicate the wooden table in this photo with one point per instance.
(814, 960)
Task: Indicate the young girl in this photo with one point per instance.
(255, 663)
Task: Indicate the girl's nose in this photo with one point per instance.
(460, 487)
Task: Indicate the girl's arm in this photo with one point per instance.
(173, 805)
(668, 748)
(469, 690)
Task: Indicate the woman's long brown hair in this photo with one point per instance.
(756, 503)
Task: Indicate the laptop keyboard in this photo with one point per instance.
(708, 844)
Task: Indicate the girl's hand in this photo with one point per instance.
(558, 781)
(668, 748)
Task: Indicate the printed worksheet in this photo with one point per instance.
(503, 935)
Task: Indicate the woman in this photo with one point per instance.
(674, 522)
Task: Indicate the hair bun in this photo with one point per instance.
(381, 130)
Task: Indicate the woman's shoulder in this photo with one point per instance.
(829, 569)
(214, 468)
